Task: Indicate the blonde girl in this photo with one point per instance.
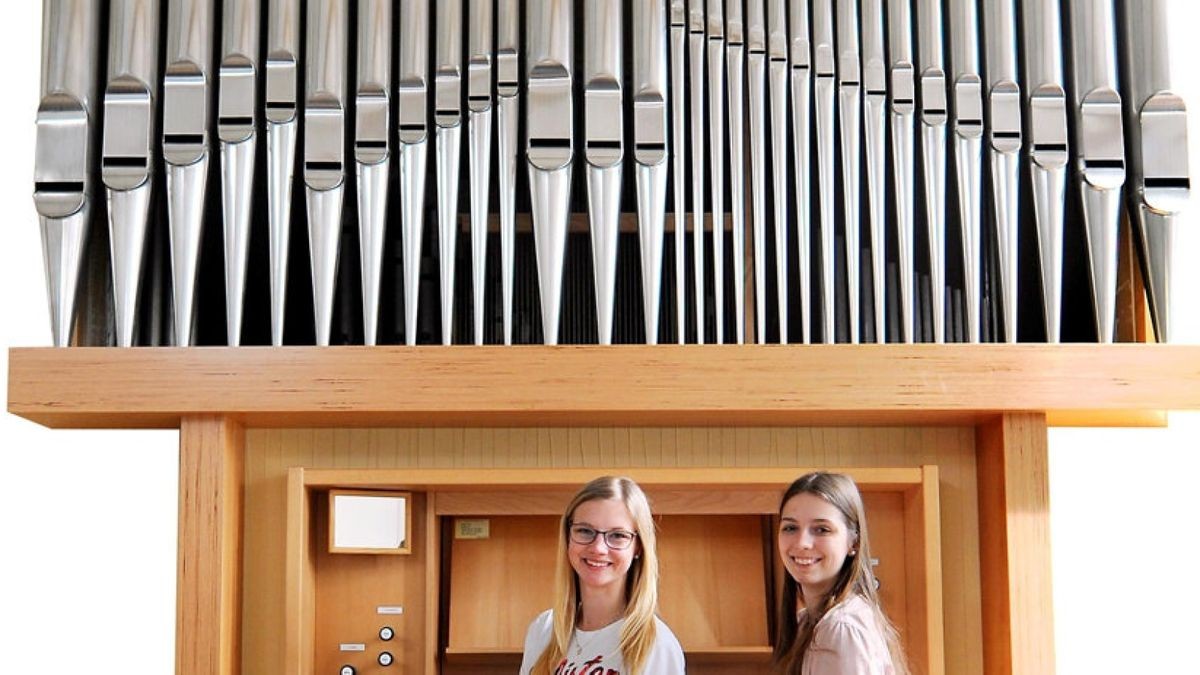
(606, 591)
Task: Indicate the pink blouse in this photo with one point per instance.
(847, 641)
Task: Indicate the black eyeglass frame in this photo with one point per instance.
(571, 531)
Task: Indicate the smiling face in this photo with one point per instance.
(814, 542)
(597, 565)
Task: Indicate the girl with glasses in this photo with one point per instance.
(606, 591)
(830, 620)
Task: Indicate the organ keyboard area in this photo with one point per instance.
(494, 171)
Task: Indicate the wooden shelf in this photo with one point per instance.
(830, 385)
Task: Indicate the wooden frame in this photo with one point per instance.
(706, 385)
(405, 547)
(1006, 394)
(452, 493)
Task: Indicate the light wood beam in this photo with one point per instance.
(208, 593)
(1014, 524)
(581, 385)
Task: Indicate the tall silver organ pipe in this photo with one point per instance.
(1160, 180)
(874, 69)
(237, 130)
(650, 151)
(679, 38)
(967, 107)
(902, 78)
(932, 78)
(479, 134)
(603, 149)
(825, 71)
(849, 71)
(372, 150)
(777, 75)
(1004, 134)
(64, 164)
(324, 151)
(756, 31)
(1046, 118)
(412, 101)
(696, 28)
(735, 79)
(127, 161)
(801, 87)
(508, 112)
(187, 77)
(782, 132)
(1100, 144)
(283, 60)
(550, 148)
(447, 143)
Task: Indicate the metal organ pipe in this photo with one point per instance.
(764, 106)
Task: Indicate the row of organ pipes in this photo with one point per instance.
(919, 122)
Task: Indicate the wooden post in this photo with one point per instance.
(1014, 538)
(209, 591)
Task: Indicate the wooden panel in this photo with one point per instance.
(266, 533)
(662, 500)
(350, 589)
(780, 454)
(889, 546)
(1014, 517)
(676, 484)
(922, 530)
(581, 385)
(208, 578)
(433, 583)
(485, 613)
(300, 597)
(712, 591)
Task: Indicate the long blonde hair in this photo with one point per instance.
(641, 583)
(793, 637)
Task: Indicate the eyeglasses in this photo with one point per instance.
(617, 540)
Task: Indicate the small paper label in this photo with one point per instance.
(353, 647)
(389, 609)
(472, 528)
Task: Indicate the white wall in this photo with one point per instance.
(87, 519)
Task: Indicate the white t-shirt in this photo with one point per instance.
(597, 652)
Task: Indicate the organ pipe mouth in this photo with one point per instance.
(128, 121)
(1166, 183)
(237, 114)
(61, 165)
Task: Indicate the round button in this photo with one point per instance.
(385, 658)
(346, 670)
(386, 633)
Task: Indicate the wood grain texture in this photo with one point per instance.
(410, 457)
(499, 584)
(665, 385)
(922, 531)
(299, 594)
(209, 574)
(1014, 518)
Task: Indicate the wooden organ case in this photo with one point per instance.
(947, 441)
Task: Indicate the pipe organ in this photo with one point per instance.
(294, 173)
(267, 176)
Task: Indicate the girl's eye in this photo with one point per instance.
(788, 529)
(822, 530)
